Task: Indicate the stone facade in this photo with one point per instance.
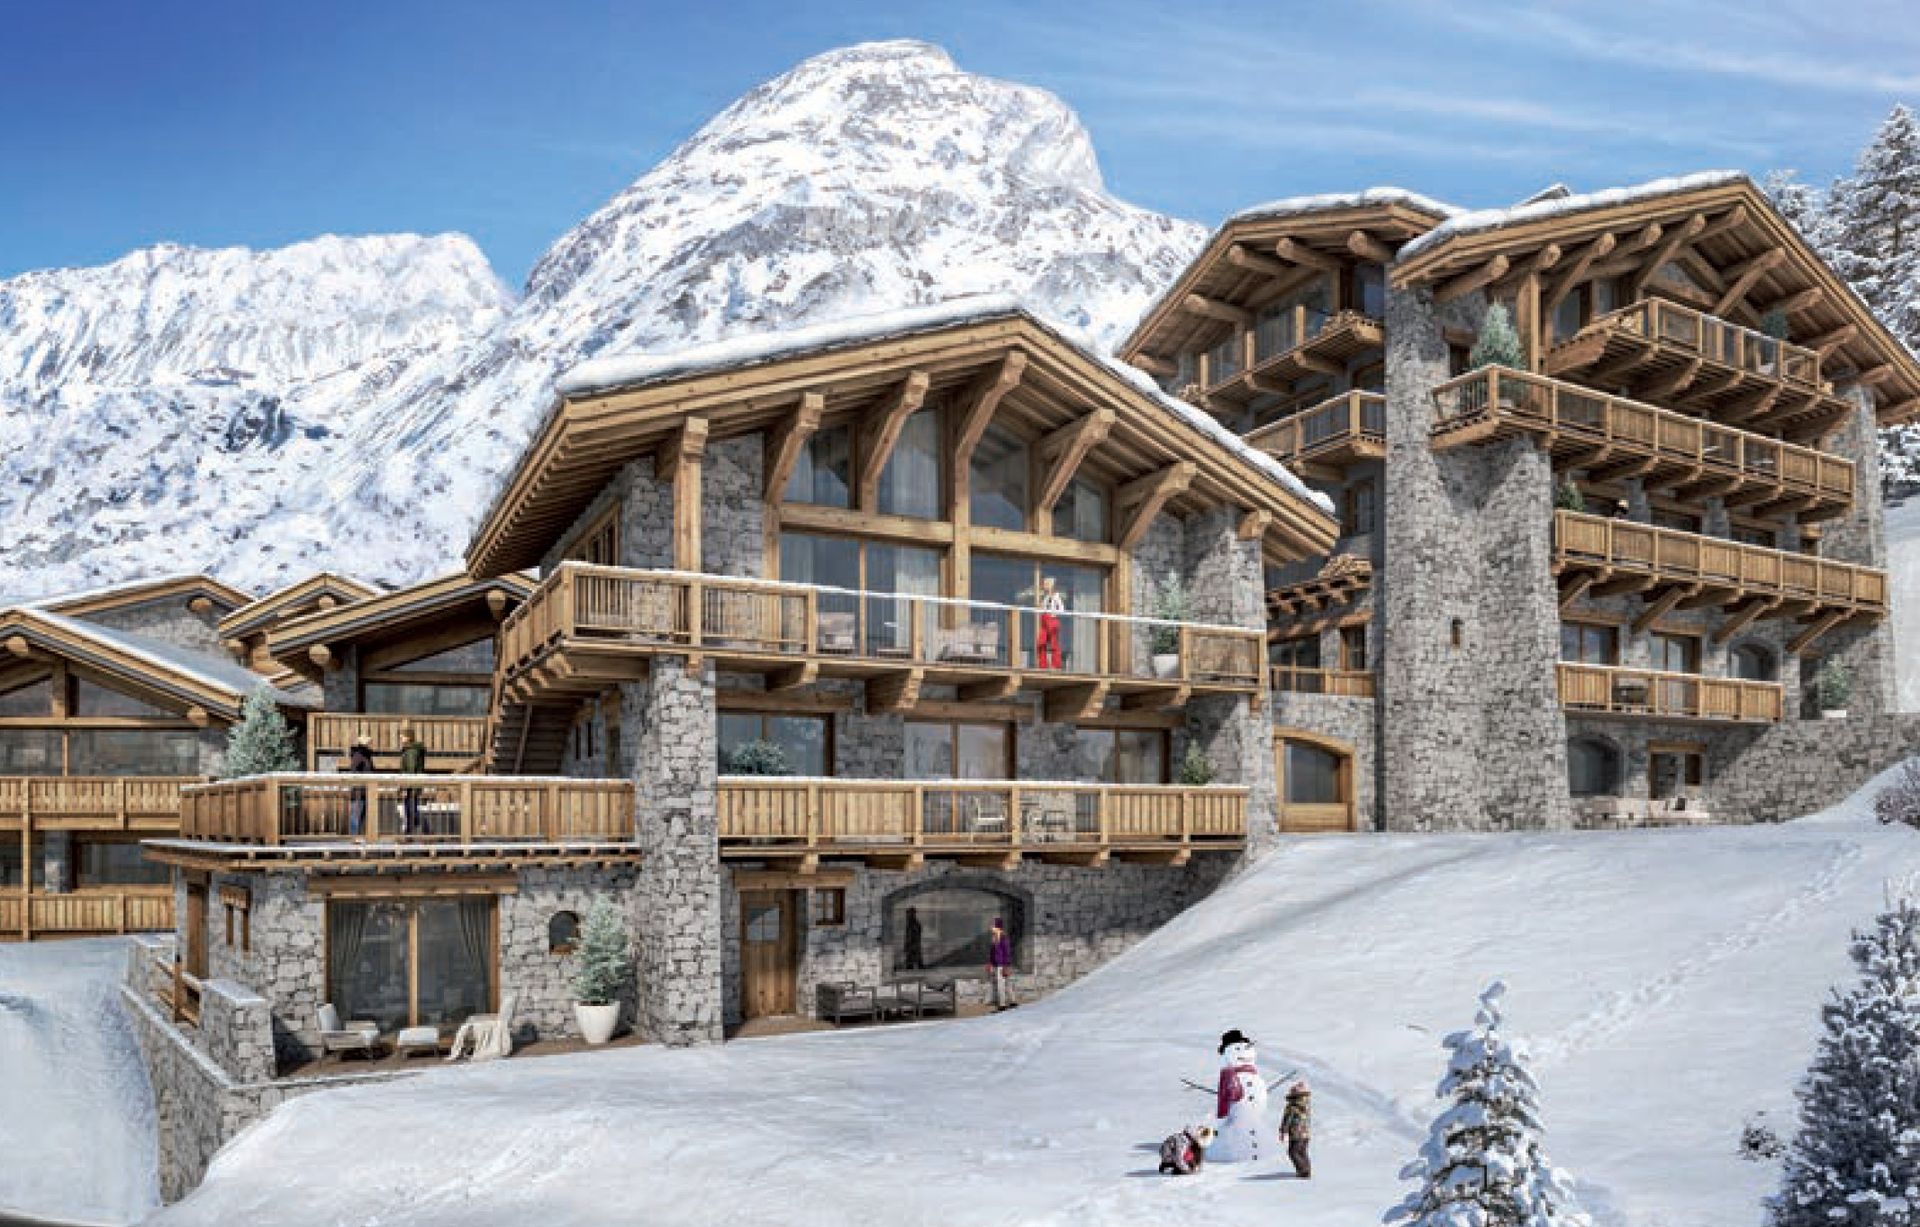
(1860, 536)
(539, 976)
(168, 619)
(733, 539)
(1355, 722)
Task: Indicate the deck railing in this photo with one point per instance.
(458, 738)
(1354, 683)
(676, 611)
(1282, 332)
(1539, 403)
(1648, 692)
(88, 910)
(907, 815)
(1332, 422)
(109, 802)
(308, 807)
(1666, 552)
(1714, 339)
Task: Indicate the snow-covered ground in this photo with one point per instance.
(77, 1140)
(1668, 983)
(1903, 560)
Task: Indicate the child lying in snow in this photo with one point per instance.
(1184, 1152)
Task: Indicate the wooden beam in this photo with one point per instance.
(793, 677)
(982, 402)
(1673, 382)
(681, 461)
(1253, 525)
(1216, 309)
(1647, 237)
(1732, 219)
(1662, 606)
(1061, 453)
(1140, 500)
(1623, 585)
(1873, 375)
(789, 441)
(1534, 265)
(894, 692)
(1254, 262)
(1802, 300)
(882, 431)
(1154, 700)
(1367, 247)
(1827, 342)
(1744, 275)
(1669, 248)
(1574, 588)
(993, 690)
(200, 605)
(321, 655)
(1466, 283)
(1570, 276)
(18, 645)
(1159, 368)
(497, 604)
(1799, 644)
(1068, 704)
(1293, 251)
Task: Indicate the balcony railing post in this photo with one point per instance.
(1013, 816)
(271, 826)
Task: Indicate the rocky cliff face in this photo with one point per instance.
(354, 403)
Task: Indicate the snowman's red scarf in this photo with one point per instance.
(1230, 1092)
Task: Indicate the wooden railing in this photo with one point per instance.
(460, 738)
(1714, 339)
(1647, 692)
(175, 990)
(1536, 402)
(89, 910)
(111, 802)
(677, 612)
(1332, 422)
(1355, 683)
(1670, 553)
(299, 808)
(908, 815)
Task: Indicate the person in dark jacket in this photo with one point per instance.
(413, 761)
(1000, 966)
(1296, 1128)
(359, 760)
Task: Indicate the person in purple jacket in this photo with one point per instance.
(1000, 966)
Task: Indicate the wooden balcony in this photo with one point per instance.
(303, 818)
(1673, 569)
(1690, 360)
(92, 803)
(588, 626)
(1603, 690)
(900, 823)
(453, 743)
(1612, 437)
(1350, 683)
(87, 912)
(1321, 440)
(1275, 351)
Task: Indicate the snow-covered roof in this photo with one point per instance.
(54, 600)
(1480, 220)
(1293, 206)
(600, 375)
(203, 667)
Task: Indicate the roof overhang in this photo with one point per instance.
(396, 612)
(222, 596)
(26, 635)
(323, 590)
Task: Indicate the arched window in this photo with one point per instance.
(1314, 775)
(1754, 663)
(943, 928)
(563, 932)
(1316, 783)
(1593, 767)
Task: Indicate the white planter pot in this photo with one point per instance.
(596, 1022)
(1166, 664)
(1837, 713)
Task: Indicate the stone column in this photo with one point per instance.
(1225, 583)
(668, 732)
(1859, 536)
(1473, 735)
(340, 683)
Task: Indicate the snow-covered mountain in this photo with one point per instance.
(353, 403)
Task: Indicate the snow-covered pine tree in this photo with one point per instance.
(1803, 205)
(604, 966)
(1875, 216)
(1483, 1165)
(1856, 1159)
(263, 741)
(1498, 344)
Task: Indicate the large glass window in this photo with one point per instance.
(1584, 643)
(1353, 648)
(12, 868)
(803, 739)
(1081, 512)
(822, 475)
(30, 752)
(997, 490)
(1370, 286)
(1314, 775)
(1120, 756)
(32, 699)
(422, 699)
(910, 481)
(1753, 663)
(373, 971)
(955, 750)
(1676, 653)
(1363, 507)
(115, 863)
(1593, 768)
(830, 561)
(475, 657)
(92, 699)
(1569, 314)
(950, 929)
(133, 752)
(1300, 652)
(1017, 581)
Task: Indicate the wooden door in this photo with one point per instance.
(196, 952)
(769, 946)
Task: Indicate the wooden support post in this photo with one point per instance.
(783, 452)
(680, 462)
(1139, 501)
(882, 431)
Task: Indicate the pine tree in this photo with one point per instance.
(262, 743)
(1483, 1165)
(1498, 344)
(1802, 205)
(604, 966)
(1856, 1160)
(1876, 217)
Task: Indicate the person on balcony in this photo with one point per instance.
(1000, 966)
(1046, 647)
(360, 761)
(413, 761)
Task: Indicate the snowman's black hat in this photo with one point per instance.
(1231, 1038)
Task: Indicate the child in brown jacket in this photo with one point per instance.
(1296, 1128)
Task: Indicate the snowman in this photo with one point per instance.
(1240, 1105)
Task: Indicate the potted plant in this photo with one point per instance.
(758, 758)
(1832, 687)
(1498, 345)
(604, 971)
(1568, 497)
(1169, 605)
(1196, 769)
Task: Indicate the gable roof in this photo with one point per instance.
(612, 410)
(320, 587)
(141, 591)
(391, 611)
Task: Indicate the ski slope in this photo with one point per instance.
(1667, 982)
(77, 1140)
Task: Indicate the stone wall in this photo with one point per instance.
(733, 536)
(1859, 536)
(1356, 722)
(276, 954)
(1802, 766)
(169, 620)
(646, 519)
(340, 682)
(540, 977)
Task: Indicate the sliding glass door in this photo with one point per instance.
(1017, 582)
(411, 962)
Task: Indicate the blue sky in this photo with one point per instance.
(128, 122)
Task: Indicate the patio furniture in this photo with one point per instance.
(840, 1000)
(836, 634)
(973, 643)
(890, 1001)
(485, 1037)
(929, 996)
(1630, 692)
(360, 1035)
(417, 1039)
